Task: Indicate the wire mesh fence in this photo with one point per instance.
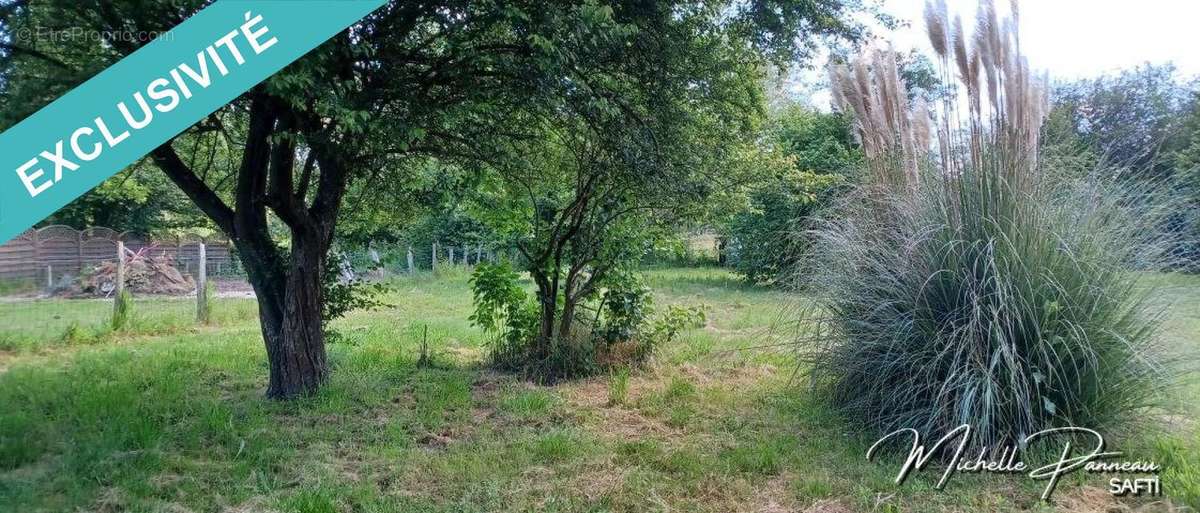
(59, 284)
(403, 258)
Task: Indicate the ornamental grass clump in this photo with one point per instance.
(960, 284)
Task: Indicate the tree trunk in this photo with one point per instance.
(567, 320)
(288, 286)
(290, 313)
(547, 296)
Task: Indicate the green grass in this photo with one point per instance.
(168, 416)
(31, 326)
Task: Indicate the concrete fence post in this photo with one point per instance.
(411, 269)
(120, 284)
(202, 285)
(121, 304)
(433, 261)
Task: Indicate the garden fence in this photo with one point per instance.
(57, 282)
(402, 258)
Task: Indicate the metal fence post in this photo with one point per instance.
(202, 285)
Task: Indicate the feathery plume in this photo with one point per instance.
(961, 57)
(935, 25)
(897, 136)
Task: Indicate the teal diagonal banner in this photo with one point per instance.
(126, 111)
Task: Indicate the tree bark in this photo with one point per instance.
(566, 320)
(292, 325)
(289, 309)
(548, 297)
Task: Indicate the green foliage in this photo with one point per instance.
(1187, 167)
(1141, 125)
(625, 311)
(631, 331)
(768, 236)
(503, 309)
(1129, 121)
(497, 293)
(682, 249)
(138, 200)
(814, 141)
(622, 334)
(340, 297)
(676, 319)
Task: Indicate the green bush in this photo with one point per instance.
(676, 319)
(630, 332)
(625, 311)
(622, 333)
(766, 240)
(504, 310)
(811, 152)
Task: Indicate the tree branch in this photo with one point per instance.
(169, 162)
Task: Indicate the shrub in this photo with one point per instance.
(678, 318)
(625, 311)
(766, 239)
(968, 289)
(814, 150)
(620, 334)
(630, 332)
(504, 310)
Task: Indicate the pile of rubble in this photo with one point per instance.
(144, 274)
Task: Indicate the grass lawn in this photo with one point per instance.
(170, 417)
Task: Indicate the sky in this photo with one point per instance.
(1072, 39)
(1081, 38)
